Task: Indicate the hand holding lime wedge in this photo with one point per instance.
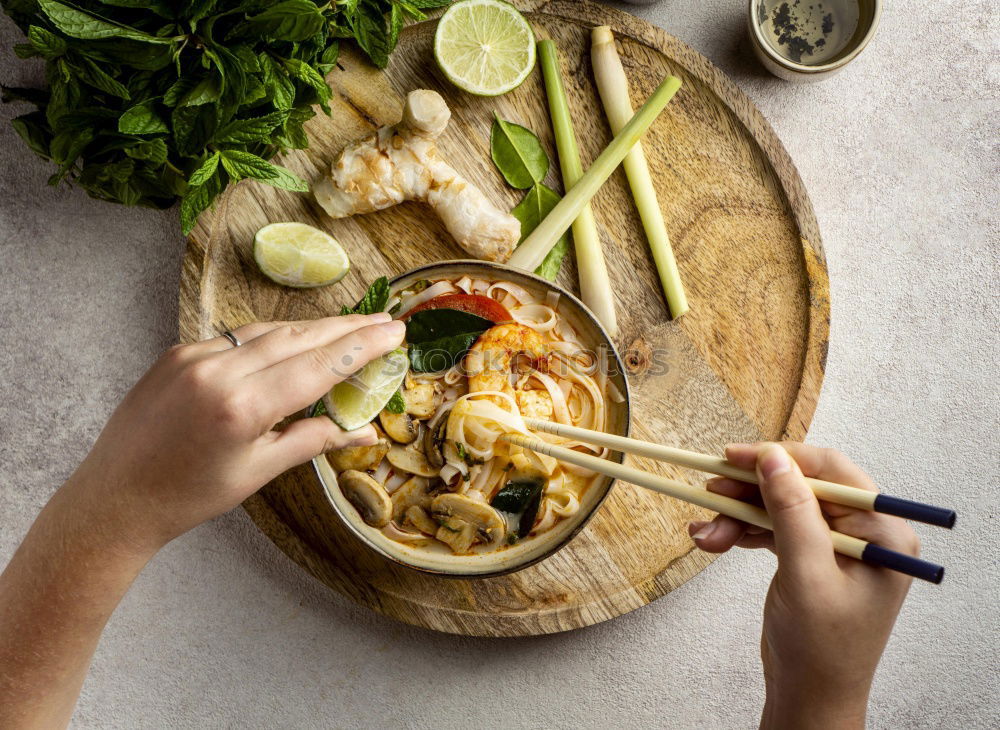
(356, 401)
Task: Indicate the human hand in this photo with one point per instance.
(195, 436)
(827, 618)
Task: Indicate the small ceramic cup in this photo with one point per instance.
(438, 559)
(869, 12)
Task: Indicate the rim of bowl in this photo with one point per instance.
(620, 457)
(802, 68)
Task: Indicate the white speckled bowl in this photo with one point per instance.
(530, 551)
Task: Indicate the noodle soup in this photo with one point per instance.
(442, 490)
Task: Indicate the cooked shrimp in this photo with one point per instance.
(492, 359)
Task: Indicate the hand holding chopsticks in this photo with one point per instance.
(827, 491)
(844, 544)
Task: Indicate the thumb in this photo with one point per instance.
(309, 437)
(801, 535)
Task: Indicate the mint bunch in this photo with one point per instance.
(154, 101)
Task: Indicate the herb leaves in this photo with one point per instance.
(148, 103)
(522, 161)
(439, 338)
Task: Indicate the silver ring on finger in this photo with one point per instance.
(232, 338)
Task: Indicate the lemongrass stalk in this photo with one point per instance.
(529, 254)
(595, 286)
(612, 85)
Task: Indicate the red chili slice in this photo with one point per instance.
(475, 304)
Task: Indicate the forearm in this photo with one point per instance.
(804, 708)
(56, 595)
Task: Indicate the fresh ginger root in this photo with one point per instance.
(403, 163)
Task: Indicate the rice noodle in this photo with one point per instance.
(559, 408)
(382, 471)
(539, 317)
(477, 462)
(395, 481)
(409, 302)
(521, 294)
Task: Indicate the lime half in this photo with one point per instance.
(356, 401)
(484, 47)
(295, 254)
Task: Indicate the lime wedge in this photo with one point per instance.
(484, 47)
(294, 254)
(356, 401)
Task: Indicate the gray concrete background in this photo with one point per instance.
(221, 630)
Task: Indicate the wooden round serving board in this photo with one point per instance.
(745, 363)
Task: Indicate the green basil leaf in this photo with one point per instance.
(142, 119)
(374, 299)
(370, 33)
(206, 91)
(240, 164)
(521, 498)
(193, 127)
(46, 43)
(153, 150)
(395, 26)
(396, 404)
(536, 204)
(518, 154)
(247, 131)
(308, 75)
(78, 24)
(197, 199)
(26, 50)
(205, 171)
(279, 87)
(30, 127)
(93, 75)
(292, 20)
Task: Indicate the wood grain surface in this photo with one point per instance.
(745, 363)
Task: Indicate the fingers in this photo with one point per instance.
(735, 489)
(288, 339)
(718, 535)
(246, 333)
(885, 530)
(819, 463)
(295, 383)
(801, 535)
(308, 438)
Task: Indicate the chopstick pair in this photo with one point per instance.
(851, 496)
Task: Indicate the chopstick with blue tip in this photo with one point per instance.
(827, 491)
(852, 547)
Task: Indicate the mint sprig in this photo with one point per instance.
(153, 102)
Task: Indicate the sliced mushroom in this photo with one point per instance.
(418, 517)
(434, 439)
(359, 458)
(411, 459)
(465, 521)
(368, 497)
(422, 398)
(416, 539)
(414, 492)
(400, 426)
